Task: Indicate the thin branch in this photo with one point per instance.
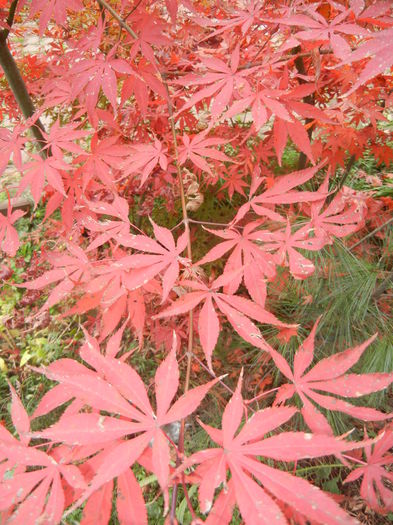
(118, 18)
(17, 84)
(262, 395)
(190, 344)
(373, 232)
(343, 179)
(19, 90)
(207, 223)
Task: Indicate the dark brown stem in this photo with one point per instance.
(309, 99)
(10, 20)
(118, 18)
(343, 179)
(373, 232)
(19, 89)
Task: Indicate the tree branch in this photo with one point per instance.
(309, 99)
(190, 344)
(19, 90)
(376, 230)
(343, 179)
(10, 20)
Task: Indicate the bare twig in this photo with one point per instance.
(132, 33)
(373, 232)
(118, 18)
(343, 179)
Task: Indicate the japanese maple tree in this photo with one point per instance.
(128, 117)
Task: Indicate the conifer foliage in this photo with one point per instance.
(132, 111)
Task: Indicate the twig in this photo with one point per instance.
(10, 20)
(207, 223)
(261, 395)
(132, 33)
(376, 230)
(343, 179)
(118, 18)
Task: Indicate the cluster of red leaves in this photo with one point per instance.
(215, 91)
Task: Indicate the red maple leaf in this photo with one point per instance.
(89, 75)
(143, 158)
(223, 80)
(33, 482)
(104, 156)
(108, 229)
(285, 245)
(236, 309)
(281, 192)
(161, 255)
(115, 387)
(11, 145)
(9, 239)
(341, 217)
(199, 147)
(56, 9)
(61, 138)
(378, 459)
(380, 48)
(234, 181)
(318, 28)
(39, 169)
(247, 254)
(238, 452)
(69, 270)
(329, 376)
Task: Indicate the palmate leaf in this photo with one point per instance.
(257, 265)
(161, 254)
(9, 239)
(69, 269)
(285, 245)
(329, 376)
(281, 192)
(144, 158)
(238, 310)
(380, 49)
(237, 453)
(220, 81)
(116, 387)
(56, 9)
(32, 482)
(379, 458)
(342, 216)
(200, 146)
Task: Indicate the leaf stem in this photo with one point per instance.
(316, 467)
(207, 223)
(261, 395)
